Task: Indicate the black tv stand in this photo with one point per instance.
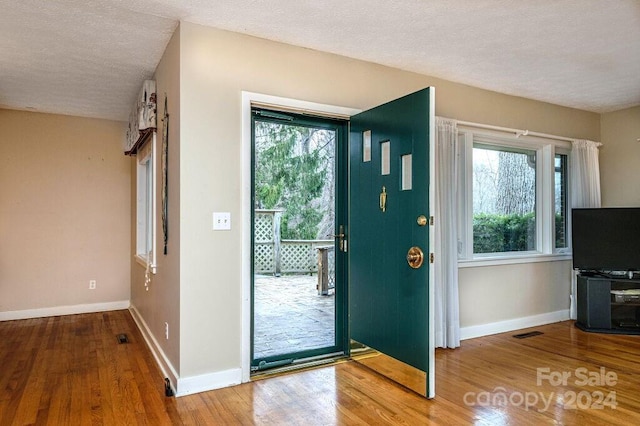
(601, 310)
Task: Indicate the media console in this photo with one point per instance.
(608, 305)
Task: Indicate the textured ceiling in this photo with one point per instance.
(88, 57)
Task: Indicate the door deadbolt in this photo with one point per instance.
(415, 257)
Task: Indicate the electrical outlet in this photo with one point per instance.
(166, 330)
(92, 284)
(221, 221)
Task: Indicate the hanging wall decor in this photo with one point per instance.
(142, 120)
(165, 174)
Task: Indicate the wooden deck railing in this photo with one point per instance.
(273, 255)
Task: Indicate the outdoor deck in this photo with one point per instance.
(290, 315)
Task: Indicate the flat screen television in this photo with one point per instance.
(606, 239)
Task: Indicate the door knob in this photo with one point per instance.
(415, 257)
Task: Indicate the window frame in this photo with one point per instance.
(146, 240)
(545, 150)
(567, 248)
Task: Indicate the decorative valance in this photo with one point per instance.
(142, 120)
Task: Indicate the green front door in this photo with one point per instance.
(388, 215)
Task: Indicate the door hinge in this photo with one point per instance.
(431, 257)
(431, 220)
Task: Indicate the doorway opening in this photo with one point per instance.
(298, 264)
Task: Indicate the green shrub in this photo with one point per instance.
(495, 233)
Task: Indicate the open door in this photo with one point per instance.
(389, 240)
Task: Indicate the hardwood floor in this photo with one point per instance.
(71, 371)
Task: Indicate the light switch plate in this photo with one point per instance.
(221, 221)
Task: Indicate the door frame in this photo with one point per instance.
(250, 99)
(340, 129)
(431, 377)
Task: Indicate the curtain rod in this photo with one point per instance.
(517, 132)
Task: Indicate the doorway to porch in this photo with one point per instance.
(298, 296)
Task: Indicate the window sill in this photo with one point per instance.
(513, 259)
(142, 261)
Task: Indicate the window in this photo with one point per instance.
(145, 206)
(513, 196)
(504, 199)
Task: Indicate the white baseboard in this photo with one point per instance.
(64, 310)
(184, 385)
(161, 358)
(514, 324)
(210, 381)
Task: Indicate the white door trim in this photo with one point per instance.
(431, 385)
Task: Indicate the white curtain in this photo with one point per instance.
(585, 190)
(447, 317)
(585, 174)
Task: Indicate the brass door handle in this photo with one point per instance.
(415, 257)
(340, 236)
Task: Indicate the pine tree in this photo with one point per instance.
(291, 173)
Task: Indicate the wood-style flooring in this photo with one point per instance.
(70, 370)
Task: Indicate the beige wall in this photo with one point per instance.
(161, 303)
(620, 158)
(508, 292)
(64, 211)
(215, 67)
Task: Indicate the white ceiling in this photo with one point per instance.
(89, 57)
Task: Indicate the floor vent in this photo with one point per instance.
(529, 334)
(122, 338)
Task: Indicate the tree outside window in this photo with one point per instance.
(504, 199)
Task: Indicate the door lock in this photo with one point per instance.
(415, 257)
